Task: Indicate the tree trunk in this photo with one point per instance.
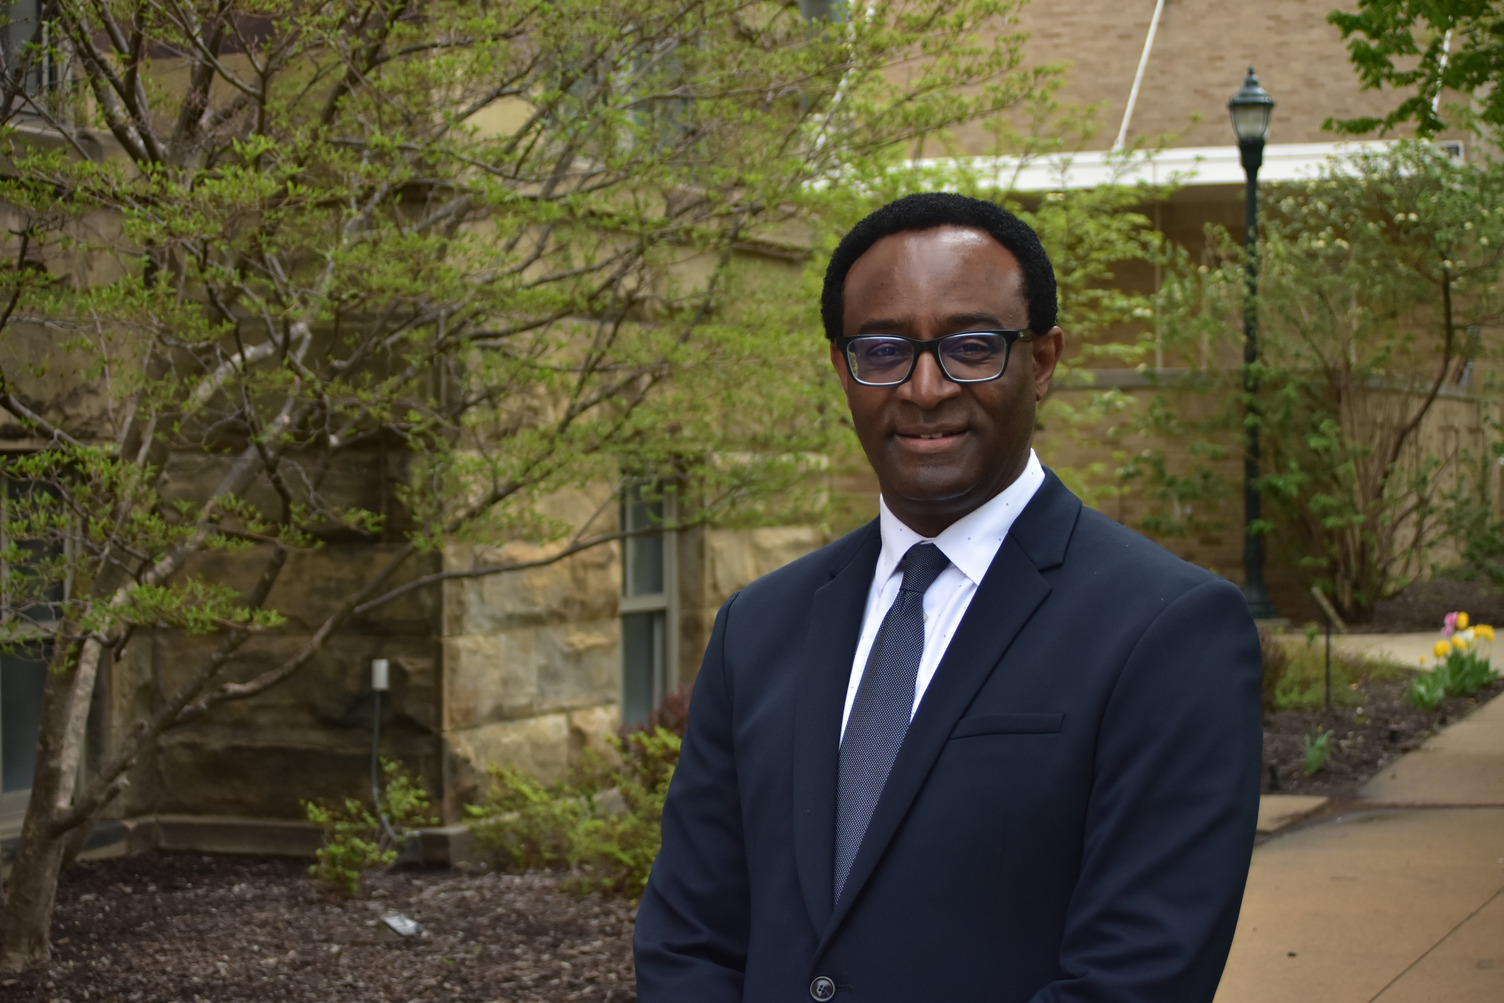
(31, 890)
(31, 893)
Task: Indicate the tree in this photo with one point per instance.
(1426, 47)
(1378, 289)
(516, 244)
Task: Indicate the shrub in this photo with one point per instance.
(671, 714)
(615, 849)
(603, 824)
(357, 841)
(525, 823)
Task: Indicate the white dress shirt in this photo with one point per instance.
(971, 543)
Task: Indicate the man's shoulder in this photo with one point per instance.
(1085, 544)
(1113, 553)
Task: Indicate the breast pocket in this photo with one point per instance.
(1008, 724)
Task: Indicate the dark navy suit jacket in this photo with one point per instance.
(1070, 816)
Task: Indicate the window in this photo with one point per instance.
(649, 586)
(22, 675)
(25, 45)
(31, 588)
(823, 10)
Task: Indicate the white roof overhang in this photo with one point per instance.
(1176, 166)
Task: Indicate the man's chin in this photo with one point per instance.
(923, 506)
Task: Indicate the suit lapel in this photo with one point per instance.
(1007, 596)
(835, 624)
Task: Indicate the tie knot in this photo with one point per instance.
(921, 566)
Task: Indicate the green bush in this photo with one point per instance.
(526, 824)
(356, 841)
(603, 825)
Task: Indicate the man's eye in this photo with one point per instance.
(881, 351)
(972, 349)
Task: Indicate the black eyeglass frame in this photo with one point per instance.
(932, 346)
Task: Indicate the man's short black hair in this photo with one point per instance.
(925, 211)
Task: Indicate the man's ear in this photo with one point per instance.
(1046, 349)
(839, 362)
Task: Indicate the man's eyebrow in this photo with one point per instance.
(978, 320)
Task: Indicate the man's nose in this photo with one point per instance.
(927, 386)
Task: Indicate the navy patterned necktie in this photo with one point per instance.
(884, 703)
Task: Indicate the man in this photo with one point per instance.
(992, 746)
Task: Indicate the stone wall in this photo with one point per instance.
(715, 564)
(310, 736)
(532, 659)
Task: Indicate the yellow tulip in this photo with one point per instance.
(1459, 642)
(1484, 631)
(1441, 649)
(1461, 621)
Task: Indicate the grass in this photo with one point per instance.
(1298, 668)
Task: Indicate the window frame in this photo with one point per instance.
(27, 26)
(664, 605)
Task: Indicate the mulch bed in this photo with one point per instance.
(1367, 736)
(1421, 606)
(159, 927)
(1382, 724)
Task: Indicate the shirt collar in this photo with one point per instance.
(972, 541)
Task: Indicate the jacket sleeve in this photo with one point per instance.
(1171, 813)
(690, 942)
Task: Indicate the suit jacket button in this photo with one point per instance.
(822, 989)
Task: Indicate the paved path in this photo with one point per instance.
(1399, 900)
(1407, 649)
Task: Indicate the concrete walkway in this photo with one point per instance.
(1407, 649)
(1399, 899)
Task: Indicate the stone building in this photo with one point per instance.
(530, 668)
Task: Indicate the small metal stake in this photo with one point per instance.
(1329, 667)
(1332, 619)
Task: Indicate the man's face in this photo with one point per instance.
(940, 448)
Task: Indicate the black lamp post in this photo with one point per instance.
(1251, 108)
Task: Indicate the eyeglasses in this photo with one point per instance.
(886, 360)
